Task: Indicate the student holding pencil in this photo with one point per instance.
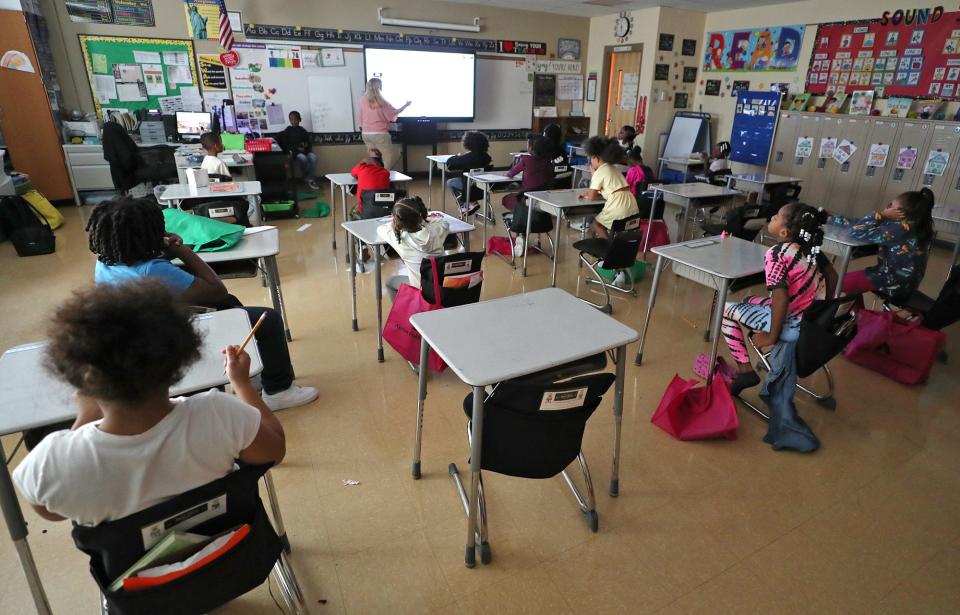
(132, 447)
(130, 240)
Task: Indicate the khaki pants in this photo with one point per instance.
(383, 143)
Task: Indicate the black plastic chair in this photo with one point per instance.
(211, 509)
(515, 223)
(534, 429)
(379, 203)
(273, 171)
(618, 252)
(131, 165)
(464, 265)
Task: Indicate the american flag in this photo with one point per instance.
(226, 32)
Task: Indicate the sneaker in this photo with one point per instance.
(474, 208)
(312, 183)
(361, 268)
(518, 246)
(621, 280)
(292, 397)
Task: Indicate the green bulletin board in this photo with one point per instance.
(164, 66)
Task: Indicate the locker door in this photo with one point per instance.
(841, 195)
(866, 196)
(784, 144)
(915, 135)
(951, 196)
(944, 141)
(808, 125)
(817, 185)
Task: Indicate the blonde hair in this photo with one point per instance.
(372, 93)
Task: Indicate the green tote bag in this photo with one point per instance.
(204, 234)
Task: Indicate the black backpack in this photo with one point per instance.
(27, 228)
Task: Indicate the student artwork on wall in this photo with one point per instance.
(740, 86)
(712, 87)
(689, 74)
(861, 102)
(878, 155)
(804, 147)
(661, 72)
(666, 42)
(688, 47)
(937, 161)
(799, 102)
(915, 54)
(775, 49)
(680, 100)
(906, 158)
(568, 49)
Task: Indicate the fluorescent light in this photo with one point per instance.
(429, 25)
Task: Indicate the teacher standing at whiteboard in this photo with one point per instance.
(375, 116)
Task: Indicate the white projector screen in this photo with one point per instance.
(438, 84)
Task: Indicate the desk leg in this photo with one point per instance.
(421, 397)
(715, 325)
(465, 239)
(273, 278)
(429, 183)
(377, 276)
(333, 213)
(343, 203)
(653, 210)
(443, 188)
(476, 446)
(487, 210)
(351, 242)
(17, 527)
(842, 269)
(617, 420)
(682, 227)
(526, 239)
(953, 258)
(556, 248)
(466, 199)
(650, 303)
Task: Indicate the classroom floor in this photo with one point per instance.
(865, 525)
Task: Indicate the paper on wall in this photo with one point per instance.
(191, 98)
(131, 92)
(127, 72)
(275, 116)
(569, 87)
(106, 88)
(937, 161)
(576, 108)
(827, 146)
(906, 157)
(146, 57)
(878, 155)
(214, 99)
(175, 58)
(99, 61)
(179, 74)
(844, 150)
(171, 104)
(153, 78)
(630, 91)
(804, 147)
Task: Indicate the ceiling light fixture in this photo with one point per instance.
(429, 25)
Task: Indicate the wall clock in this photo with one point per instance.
(622, 26)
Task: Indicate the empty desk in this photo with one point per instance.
(557, 203)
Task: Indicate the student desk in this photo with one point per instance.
(258, 243)
(947, 220)
(176, 194)
(837, 242)
(31, 397)
(761, 181)
(581, 171)
(440, 162)
(556, 203)
(682, 162)
(486, 181)
(719, 261)
(365, 231)
(344, 180)
(687, 196)
(233, 158)
(537, 331)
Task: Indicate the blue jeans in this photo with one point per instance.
(308, 165)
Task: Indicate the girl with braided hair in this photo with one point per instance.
(796, 275)
(415, 234)
(129, 237)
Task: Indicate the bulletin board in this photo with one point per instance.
(117, 58)
(896, 59)
(754, 125)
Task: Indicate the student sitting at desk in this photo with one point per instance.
(212, 144)
(131, 446)
(607, 181)
(295, 141)
(129, 238)
(636, 175)
(719, 161)
(474, 156)
(537, 169)
(415, 234)
(626, 137)
(371, 175)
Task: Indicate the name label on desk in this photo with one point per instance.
(221, 212)
(383, 196)
(563, 400)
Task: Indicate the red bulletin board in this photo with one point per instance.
(919, 59)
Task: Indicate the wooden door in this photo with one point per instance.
(622, 91)
(25, 117)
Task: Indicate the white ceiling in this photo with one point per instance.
(577, 7)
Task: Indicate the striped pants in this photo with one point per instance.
(754, 313)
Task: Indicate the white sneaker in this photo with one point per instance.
(292, 397)
(518, 246)
(360, 267)
(621, 280)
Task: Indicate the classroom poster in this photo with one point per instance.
(898, 106)
(213, 76)
(878, 154)
(283, 57)
(936, 163)
(906, 158)
(799, 102)
(827, 146)
(766, 49)
(804, 147)
(153, 79)
(120, 12)
(861, 102)
(203, 19)
(844, 150)
(712, 88)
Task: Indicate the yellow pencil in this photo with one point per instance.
(253, 332)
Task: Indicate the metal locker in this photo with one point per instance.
(914, 135)
(951, 196)
(817, 181)
(945, 141)
(841, 197)
(808, 125)
(866, 195)
(784, 144)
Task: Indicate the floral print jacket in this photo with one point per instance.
(902, 258)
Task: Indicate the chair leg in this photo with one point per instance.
(104, 609)
(825, 399)
(275, 509)
(482, 539)
(586, 502)
(606, 308)
(290, 591)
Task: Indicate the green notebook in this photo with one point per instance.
(173, 547)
